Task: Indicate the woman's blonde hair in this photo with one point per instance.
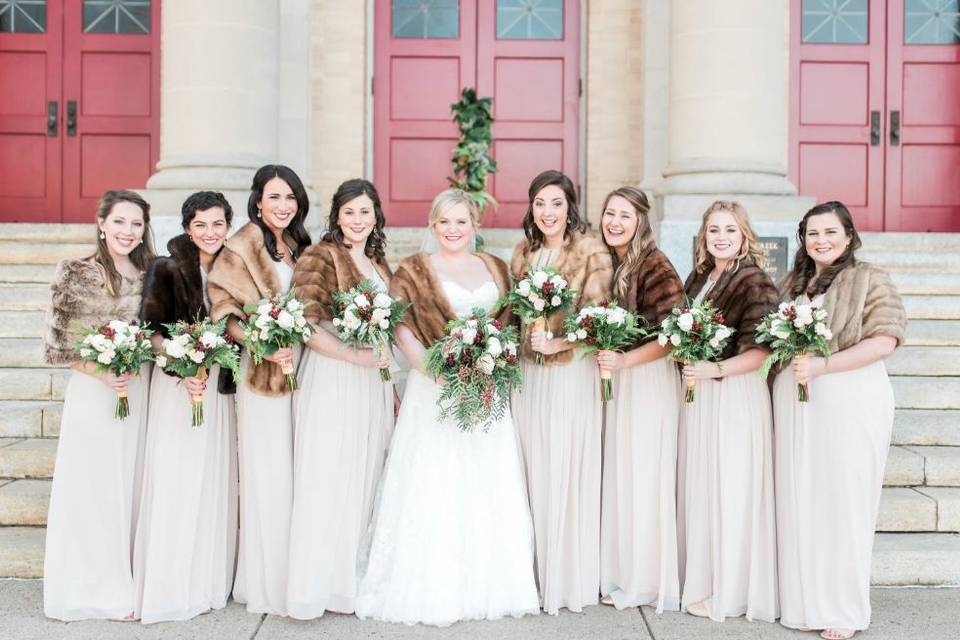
(450, 198)
(750, 249)
(641, 243)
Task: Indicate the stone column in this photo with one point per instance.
(219, 102)
(727, 118)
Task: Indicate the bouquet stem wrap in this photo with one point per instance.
(690, 390)
(540, 324)
(287, 368)
(198, 400)
(795, 331)
(123, 406)
(605, 326)
(606, 384)
(803, 389)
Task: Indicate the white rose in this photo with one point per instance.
(264, 309)
(379, 314)
(581, 334)
(161, 361)
(783, 306)
(86, 353)
(119, 326)
(616, 317)
(382, 301)
(538, 304)
(523, 288)
(662, 339)
(285, 320)
(723, 333)
(493, 347)
(106, 357)
(800, 322)
(263, 322)
(384, 324)
(209, 339)
(685, 322)
(571, 337)
(538, 278)
(486, 363)
(675, 340)
(469, 335)
(821, 329)
(294, 305)
(492, 329)
(820, 314)
(196, 356)
(472, 322)
(337, 322)
(174, 349)
(510, 348)
(361, 301)
(783, 334)
(665, 323)
(555, 301)
(558, 281)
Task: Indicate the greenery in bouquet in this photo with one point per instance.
(794, 330)
(536, 295)
(117, 347)
(695, 332)
(366, 317)
(273, 324)
(603, 327)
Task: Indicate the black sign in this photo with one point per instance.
(775, 256)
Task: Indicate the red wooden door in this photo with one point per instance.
(923, 104)
(97, 65)
(31, 42)
(837, 105)
(524, 55)
(111, 82)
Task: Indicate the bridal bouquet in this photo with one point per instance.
(695, 332)
(794, 331)
(275, 324)
(607, 327)
(193, 349)
(538, 294)
(364, 317)
(478, 363)
(117, 347)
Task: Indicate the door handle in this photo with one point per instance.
(72, 118)
(894, 128)
(52, 118)
(874, 128)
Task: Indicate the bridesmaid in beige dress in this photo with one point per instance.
(558, 411)
(258, 262)
(831, 451)
(726, 522)
(342, 412)
(95, 492)
(186, 541)
(638, 529)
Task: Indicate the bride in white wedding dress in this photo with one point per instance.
(452, 537)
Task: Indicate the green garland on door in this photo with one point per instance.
(471, 160)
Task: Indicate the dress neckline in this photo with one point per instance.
(467, 289)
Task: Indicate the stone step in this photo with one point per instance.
(933, 332)
(904, 468)
(32, 384)
(21, 352)
(941, 465)
(922, 392)
(940, 261)
(26, 273)
(927, 427)
(930, 283)
(24, 296)
(23, 252)
(21, 552)
(924, 361)
(24, 502)
(948, 506)
(22, 324)
(27, 458)
(49, 232)
(909, 241)
(901, 509)
(30, 418)
(924, 307)
(913, 559)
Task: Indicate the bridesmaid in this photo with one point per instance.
(726, 522)
(343, 412)
(187, 532)
(256, 263)
(558, 412)
(96, 487)
(831, 451)
(638, 529)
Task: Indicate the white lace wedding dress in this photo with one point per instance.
(452, 537)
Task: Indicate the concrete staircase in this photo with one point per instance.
(918, 539)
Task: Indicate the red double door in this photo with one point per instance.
(525, 55)
(875, 113)
(79, 104)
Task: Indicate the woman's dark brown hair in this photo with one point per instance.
(296, 230)
(802, 277)
(376, 241)
(141, 256)
(575, 224)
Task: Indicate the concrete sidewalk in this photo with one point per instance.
(898, 614)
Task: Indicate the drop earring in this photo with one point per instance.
(103, 236)
(259, 214)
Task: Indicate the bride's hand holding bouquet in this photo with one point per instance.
(272, 328)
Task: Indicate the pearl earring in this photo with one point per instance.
(103, 236)
(259, 215)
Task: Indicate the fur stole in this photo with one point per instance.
(743, 295)
(416, 282)
(653, 290)
(173, 291)
(79, 301)
(585, 263)
(324, 269)
(863, 302)
(244, 273)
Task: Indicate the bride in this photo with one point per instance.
(452, 537)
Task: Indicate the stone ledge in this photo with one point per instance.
(25, 502)
(905, 509)
(904, 468)
(902, 559)
(30, 458)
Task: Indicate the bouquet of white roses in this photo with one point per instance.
(478, 362)
(364, 316)
(605, 326)
(117, 347)
(695, 332)
(538, 294)
(794, 331)
(272, 325)
(193, 349)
